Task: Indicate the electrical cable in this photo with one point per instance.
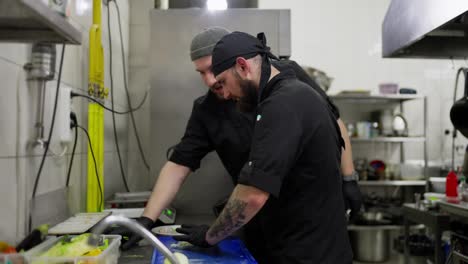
(126, 88)
(73, 94)
(73, 125)
(95, 166)
(36, 182)
(116, 138)
(72, 157)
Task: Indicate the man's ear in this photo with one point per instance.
(242, 66)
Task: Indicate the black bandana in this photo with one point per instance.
(240, 44)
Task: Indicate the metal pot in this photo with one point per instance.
(372, 216)
(370, 244)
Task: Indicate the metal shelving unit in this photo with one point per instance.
(392, 183)
(390, 139)
(375, 98)
(383, 227)
(33, 21)
(387, 101)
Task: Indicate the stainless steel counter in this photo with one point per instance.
(436, 221)
(458, 210)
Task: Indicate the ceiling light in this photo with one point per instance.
(216, 4)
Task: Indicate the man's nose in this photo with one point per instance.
(226, 94)
(211, 79)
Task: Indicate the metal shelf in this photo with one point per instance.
(455, 209)
(378, 98)
(390, 139)
(383, 227)
(33, 21)
(392, 183)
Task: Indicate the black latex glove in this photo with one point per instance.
(133, 238)
(194, 234)
(353, 198)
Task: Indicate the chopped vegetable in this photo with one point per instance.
(180, 257)
(74, 247)
(93, 253)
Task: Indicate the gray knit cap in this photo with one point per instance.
(203, 43)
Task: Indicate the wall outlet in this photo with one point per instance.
(63, 120)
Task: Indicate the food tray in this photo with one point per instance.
(108, 256)
(228, 251)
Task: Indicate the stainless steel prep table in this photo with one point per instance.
(438, 222)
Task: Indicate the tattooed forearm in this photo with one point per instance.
(232, 218)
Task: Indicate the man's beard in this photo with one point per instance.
(249, 100)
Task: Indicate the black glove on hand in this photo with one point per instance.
(353, 198)
(133, 238)
(194, 234)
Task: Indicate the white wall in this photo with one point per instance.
(343, 38)
(19, 161)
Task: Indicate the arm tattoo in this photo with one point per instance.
(231, 219)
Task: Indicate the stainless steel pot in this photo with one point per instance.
(370, 244)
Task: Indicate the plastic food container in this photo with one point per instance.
(438, 184)
(12, 259)
(108, 256)
(434, 197)
(388, 88)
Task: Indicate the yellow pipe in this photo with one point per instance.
(96, 113)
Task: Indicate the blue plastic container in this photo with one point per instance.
(228, 251)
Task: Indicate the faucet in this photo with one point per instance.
(134, 227)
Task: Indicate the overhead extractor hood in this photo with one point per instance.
(33, 21)
(433, 29)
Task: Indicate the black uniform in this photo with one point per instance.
(295, 156)
(217, 125)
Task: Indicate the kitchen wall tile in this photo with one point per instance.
(138, 175)
(9, 205)
(9, 73)
(16, 53)
(122, 132)
(143, 125)
(53, 176)
(113, 178)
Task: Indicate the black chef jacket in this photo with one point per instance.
(216, 125)
(295, 156)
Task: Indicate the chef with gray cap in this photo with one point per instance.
(217, 125)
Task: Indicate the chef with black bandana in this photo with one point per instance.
(292, 181)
